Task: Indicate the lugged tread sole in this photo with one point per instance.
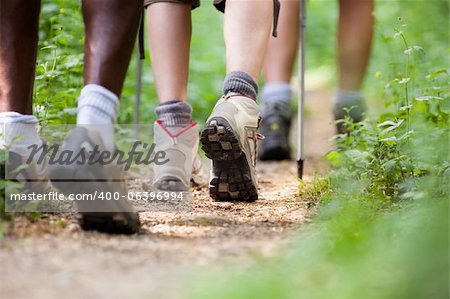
(105, 222)
(232, 180)
(219, 142)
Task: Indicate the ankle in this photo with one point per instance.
(240, 83)
(344, 97)
(18, 132)
(98, 107)
(174, 114)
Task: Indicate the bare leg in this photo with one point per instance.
(281, 52)
(355, 32)
(247, 31)
(277, 94)
(354, 43)
(18, 47)
(111, 27)
(169, 33)
(169, 48)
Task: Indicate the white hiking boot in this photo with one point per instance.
(83, 177)
(229, 140)
(181, 152)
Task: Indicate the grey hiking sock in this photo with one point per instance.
(276, 95)
(342, 96)
(174, 113)
(347, 99)
(240, 83)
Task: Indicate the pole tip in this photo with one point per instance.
(300, 168)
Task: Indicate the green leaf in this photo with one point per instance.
(390, 125)
(427, 98)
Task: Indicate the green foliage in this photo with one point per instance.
(408, 142)
(60, 62)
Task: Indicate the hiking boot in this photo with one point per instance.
(114, 215)
(22, 159)
(181, 150)
(357, 108)
(229, 140)
(275, 126)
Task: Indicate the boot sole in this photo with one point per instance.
(105, 222)
(111, 223)
(232, 180)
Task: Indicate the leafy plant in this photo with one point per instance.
(384, 155)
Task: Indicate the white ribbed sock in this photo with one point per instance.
(18, 132)
(97, 107)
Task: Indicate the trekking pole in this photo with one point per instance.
(137, 101)
(140, 58)
(301, 89)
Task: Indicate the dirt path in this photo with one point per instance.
(46, 259)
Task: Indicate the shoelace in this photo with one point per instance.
(255, 136)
